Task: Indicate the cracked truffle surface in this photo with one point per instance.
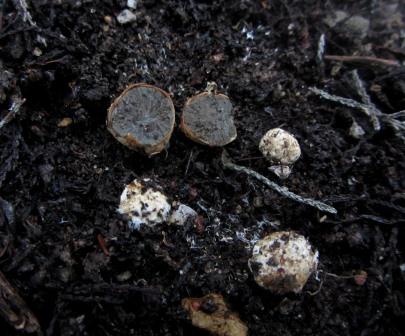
(283, 261)
(143, 205)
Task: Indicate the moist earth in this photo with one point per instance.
(70, 254)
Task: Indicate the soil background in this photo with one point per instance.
(60, 186)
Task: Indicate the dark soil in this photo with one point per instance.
(60, 186)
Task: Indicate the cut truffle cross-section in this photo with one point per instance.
(207, 119)
(142, 118)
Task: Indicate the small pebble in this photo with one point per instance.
(126, 16)
(124, 276)
(65, 122)
(182, 214)
(132, 4)
(360, 278)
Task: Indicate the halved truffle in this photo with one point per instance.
(142, 118)
(207, 119)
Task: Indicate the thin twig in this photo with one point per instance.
(363, 60)
(22, 8)
(188, 163)
(394, 119)
(281, 190)
(361, 90)
(344, 101)
(12, 111)
(321, 49)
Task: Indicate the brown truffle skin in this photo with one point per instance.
(142, 118)
(207, 119)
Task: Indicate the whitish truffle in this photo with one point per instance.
(283, 261)
(142, 118)
(207, 119)
(144, 204)
(281, 149)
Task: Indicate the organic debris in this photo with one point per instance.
(14, 310)
(212, 314)
(65, 122)
(281, 190)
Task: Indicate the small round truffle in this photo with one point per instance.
(207, 119)
(283, 261)
(142, 118)
(144, 204)
(281, 149)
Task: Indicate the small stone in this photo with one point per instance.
(142, 118)
(356, 131)
(336, 17)
(353, 26)
(356, 26)
(37, 52)
(107, 19)
(132, 4)
(258, 202)
(360, 278)
(182, 214)
(126, 16)
(207, 119)
(65, 122)
(124, 276)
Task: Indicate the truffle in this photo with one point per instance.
(144, 204)
(207, 119)
(142, 118)
(281, 149)
(283, 261)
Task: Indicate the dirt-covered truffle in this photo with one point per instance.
(281, 149)
(144, 204)
(283, 261)
(207, 119)
(142, 118)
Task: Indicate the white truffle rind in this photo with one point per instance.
(283, 261)
(143, 205)
(280, 147)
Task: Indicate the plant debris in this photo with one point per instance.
(281, 190)
(212, 314)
